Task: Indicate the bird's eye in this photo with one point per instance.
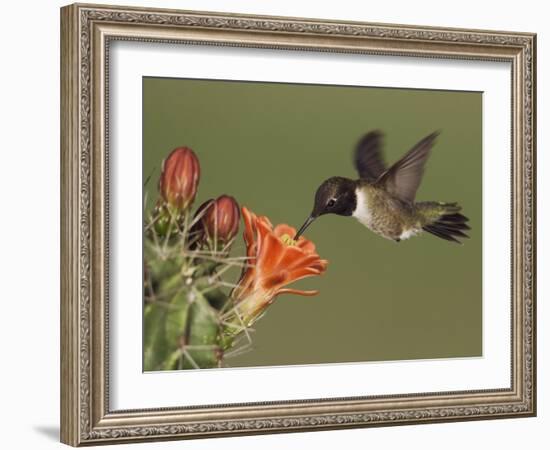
(331, 203)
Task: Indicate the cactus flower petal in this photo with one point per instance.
(276, 260)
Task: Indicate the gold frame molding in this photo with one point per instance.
(86, 31)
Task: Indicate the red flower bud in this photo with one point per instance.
(220, 219)
(179, 178)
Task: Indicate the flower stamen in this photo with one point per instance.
(288, 240)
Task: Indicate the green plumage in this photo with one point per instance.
(396, 219)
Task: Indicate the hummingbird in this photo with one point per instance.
(383, 199)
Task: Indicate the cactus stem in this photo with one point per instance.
(239, 349)
(232, 314)
(201, 347)
(163, 304)
(149, 285)
(167, 293)
(155, 236)
(211, 311)
(236, 327)
(208, 289)
(168, 233)
(227, 310)
(183, 353)
(151, 221)
(187, 355)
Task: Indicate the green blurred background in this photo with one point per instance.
(270, 145)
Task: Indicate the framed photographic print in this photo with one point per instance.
(274, 224)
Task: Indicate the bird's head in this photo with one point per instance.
(334, 196)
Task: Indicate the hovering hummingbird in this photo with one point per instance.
(383, 199)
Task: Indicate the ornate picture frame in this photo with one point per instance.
(87, 32)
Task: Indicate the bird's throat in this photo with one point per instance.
(362, 211)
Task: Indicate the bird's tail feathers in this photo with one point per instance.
(445, 221)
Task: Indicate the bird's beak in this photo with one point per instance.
(306, 224)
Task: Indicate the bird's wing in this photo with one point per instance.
(403, 178)
(367, 157)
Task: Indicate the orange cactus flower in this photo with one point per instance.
(275, 260)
